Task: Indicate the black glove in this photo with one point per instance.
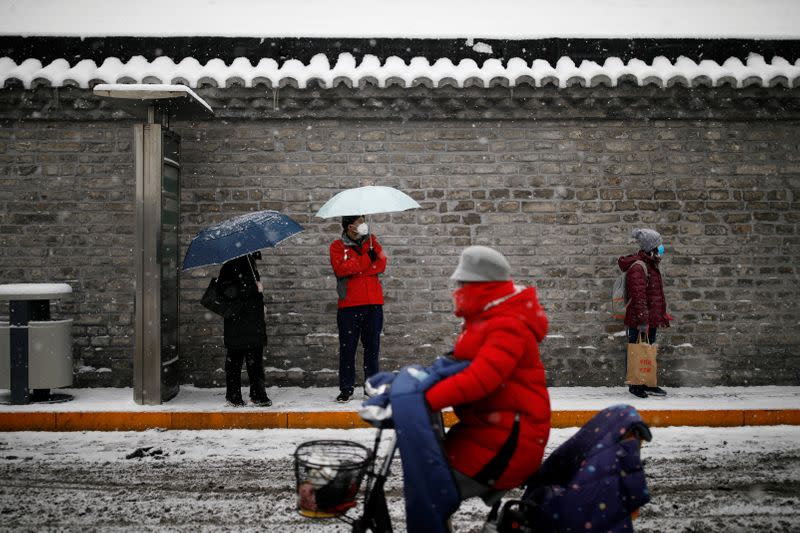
(373, 255)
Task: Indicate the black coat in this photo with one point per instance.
(244, 321)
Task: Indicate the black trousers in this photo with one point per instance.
(633, 335)
(253, 357)
(363, 322)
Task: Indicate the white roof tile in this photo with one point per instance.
(419, 71)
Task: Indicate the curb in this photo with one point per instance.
(140, 421)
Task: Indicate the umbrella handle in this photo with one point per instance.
(255, 279)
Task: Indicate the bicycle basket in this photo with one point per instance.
(329, 475)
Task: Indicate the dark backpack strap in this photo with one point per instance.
(492, 471)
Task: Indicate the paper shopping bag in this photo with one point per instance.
(641, 363)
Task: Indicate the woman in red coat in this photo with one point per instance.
(501, 398)
(647, 307)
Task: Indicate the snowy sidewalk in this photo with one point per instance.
(295, 407)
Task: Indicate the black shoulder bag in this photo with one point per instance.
(211, 299)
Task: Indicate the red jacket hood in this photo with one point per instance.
(524, 305)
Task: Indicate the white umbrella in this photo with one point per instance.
(367, 200)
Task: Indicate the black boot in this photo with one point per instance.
(638, 390)
(344, 396)
(233, 378)
(255, 373)
(235, 402)
(261, 401)
(655, 391)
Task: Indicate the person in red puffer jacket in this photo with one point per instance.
(357, 259)
(647, 307)
(501, 398)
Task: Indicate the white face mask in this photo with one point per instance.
(362, 229)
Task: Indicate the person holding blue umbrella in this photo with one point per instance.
(237, 294)
(245, 330)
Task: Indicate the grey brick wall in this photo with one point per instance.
(556, 191)
(66, 215)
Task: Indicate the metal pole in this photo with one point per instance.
(147, 353)
(19, 316)
(253, 272)
(389, 456)
(369, 233)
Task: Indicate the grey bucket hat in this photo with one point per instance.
(648, 239)
(481, 263)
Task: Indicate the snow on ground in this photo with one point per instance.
(321, 399)
(701, 479)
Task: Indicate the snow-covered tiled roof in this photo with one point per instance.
(441, 19)
(394, 71)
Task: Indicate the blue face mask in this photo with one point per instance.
(660, 249)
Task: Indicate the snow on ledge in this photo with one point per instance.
(394, 71)
(147, 91)
(32, 291)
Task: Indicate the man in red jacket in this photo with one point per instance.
(357, 260)
(501, 398)
(647, 307)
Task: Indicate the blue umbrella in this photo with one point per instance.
(239, 236)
